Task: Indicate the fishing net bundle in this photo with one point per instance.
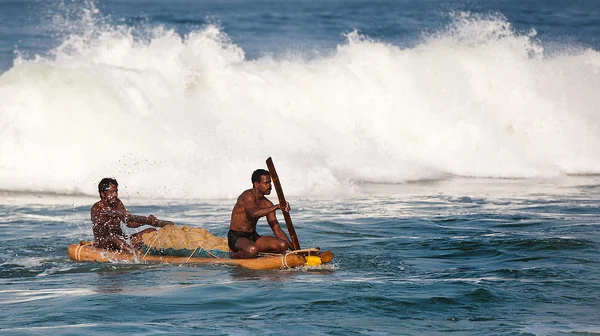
(185, 242)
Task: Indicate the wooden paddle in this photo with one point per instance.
(286, 215)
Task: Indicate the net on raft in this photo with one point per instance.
(184, 241)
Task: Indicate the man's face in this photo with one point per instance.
(264, 186)
(111, 194)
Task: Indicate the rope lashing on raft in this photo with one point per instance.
(311, 260)
(79, 248)
(312, 249)
(284, 260)
(148, 250)
(194, 251)
(202, 248)
(284, 263)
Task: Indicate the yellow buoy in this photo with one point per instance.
(313, 261)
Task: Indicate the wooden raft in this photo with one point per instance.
(84, 251)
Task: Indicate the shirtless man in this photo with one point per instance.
(244, 241)
(107, 215)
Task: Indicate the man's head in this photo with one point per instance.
(108, 188)
(258, 173)
(261, 180)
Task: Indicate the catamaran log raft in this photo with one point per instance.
(85, 251)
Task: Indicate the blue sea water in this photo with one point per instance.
(446, 152)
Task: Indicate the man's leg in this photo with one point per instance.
(245, 249)
(271, 244)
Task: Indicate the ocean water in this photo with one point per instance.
(446, 152)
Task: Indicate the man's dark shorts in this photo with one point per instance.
(232, 237)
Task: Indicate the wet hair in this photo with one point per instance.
(258, 173)
(104, 185)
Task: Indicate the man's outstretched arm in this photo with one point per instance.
(134, 221)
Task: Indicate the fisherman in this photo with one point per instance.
(244, 241)
(107, 215)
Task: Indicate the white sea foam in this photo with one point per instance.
(191, 117)
(20, 296)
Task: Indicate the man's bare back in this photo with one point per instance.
(251, 205)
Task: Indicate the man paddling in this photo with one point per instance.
(244, 241)
(107, 215)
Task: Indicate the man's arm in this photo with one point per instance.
(134, 221)
(130, 220)
(138, 221)
(279, 233)
(252, 208)
(95, 214)
(274, 224)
